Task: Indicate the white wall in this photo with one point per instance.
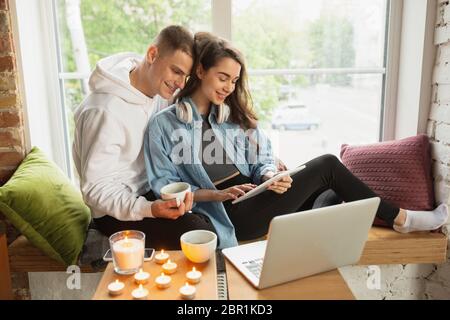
(417, 55)
(437, 285)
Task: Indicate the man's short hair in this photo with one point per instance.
(173, 38)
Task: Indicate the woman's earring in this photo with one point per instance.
(184, 112)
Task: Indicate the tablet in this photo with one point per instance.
(263, 186)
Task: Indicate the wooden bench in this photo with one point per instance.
(384, 246)
(5, 278)
(20, 257)
(24, 257)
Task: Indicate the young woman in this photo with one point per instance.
(210, 139)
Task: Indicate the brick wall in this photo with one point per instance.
(439, 120)
(438, 283)
(12, 142)
(12, 146)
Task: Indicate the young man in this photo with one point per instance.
(127, 90)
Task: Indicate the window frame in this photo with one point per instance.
(221, 25)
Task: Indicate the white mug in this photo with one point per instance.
(198, 245)
(175, 190)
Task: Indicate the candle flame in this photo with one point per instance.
(140, 270)
(193, 269)
(117, 280)
(162, 274)
(186, 285)
(162, 250)
(127, 243)
(169, 262)
(140, 287)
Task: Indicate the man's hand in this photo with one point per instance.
(168, 209)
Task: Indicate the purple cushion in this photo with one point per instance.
(398, 171)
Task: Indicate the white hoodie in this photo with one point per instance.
(108, 143)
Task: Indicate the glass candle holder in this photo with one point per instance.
(127, 249)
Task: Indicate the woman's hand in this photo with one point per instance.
(280, 165)
(280, 186)
(233, 192)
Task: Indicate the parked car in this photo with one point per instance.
(294, 116)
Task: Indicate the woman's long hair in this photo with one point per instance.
(209, 49)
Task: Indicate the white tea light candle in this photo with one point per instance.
(116, 288)
(169, 267)
(161, 257)
(194, 276)
(140, 293)
(187, 291)
(141, 277)
(163, 281)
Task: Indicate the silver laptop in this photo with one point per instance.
(306, 243)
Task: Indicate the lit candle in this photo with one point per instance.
(163, 281)
(115, 288)
(187, 291)
(128, 253)
(194, 276)
(140, 293)
(169, 267)
(161, 257)
(141, 277)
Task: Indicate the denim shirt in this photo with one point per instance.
(172, 149)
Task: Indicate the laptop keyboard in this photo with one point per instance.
(254, 266)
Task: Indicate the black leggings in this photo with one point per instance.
(251, 218)
(159, 233)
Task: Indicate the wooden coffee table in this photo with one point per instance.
(206, 288)
(328, 285)
(325, 286)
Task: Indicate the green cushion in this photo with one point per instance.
(42, 203)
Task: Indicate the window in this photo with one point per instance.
(317, 68)
(93, 29)
(327, 55)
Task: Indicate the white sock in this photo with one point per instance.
(424, 220)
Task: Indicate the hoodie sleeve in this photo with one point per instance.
(101, 139)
